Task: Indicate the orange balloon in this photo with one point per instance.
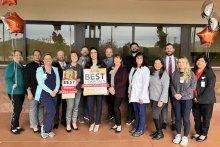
(207, 36)
(15, 23)
(9, 2)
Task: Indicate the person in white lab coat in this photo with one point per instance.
(138, 93)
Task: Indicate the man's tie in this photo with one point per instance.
(170, 67)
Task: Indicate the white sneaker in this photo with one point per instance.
(51, 134)
(177, 139)
(44, 135)
(184, 141)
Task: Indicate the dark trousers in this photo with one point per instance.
(202, 115)
(182, 110)
(17, 101)
(165, 110)
(63, 112)
(156, 111)
(110, 104)
(91, 102)
(83, 108)
(140, 116)
(50, 107)
(130, 110)
(117, 112)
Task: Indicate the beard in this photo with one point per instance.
(133, 52)
(169, 54)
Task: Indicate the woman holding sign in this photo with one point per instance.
(48, 85)
(117, 79)
(204, 97)
(182, 86)
(94, 64)
(73, 103)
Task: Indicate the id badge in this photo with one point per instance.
(203, 84)
(44, 76)
(181, 79)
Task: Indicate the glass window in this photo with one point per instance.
(8, 43)
(152, 40)
(197, 48)
(49, 38)
(117, 37)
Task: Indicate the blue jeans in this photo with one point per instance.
(140, 116)
(91, 102)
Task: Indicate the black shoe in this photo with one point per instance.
(194, 137)
(56, 126)
(112, 128)
(201, 140)
(133, 130)
(75, 129)
(158, 136)
(137, 133)
(68, 130)
(20, 129)
(153, 134)
(116, 131)
(129, 122)
(63, 123)
(37, 131)
(173, 127)
(164, 126)
(15, 131)
(81, 121)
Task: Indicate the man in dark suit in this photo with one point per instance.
(60, 64)
(170, 62)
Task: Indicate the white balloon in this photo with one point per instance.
(5, 23)
(213, 24)
(207, 9)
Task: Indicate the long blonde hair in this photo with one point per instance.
(187, 71)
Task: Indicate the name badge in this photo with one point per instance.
(203, 84)
(45, 76)
(181, 79)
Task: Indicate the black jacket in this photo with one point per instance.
(30, 76)
(100, 64)
(129, 62)
(206, 95)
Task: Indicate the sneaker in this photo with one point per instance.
(15, 131)
(44, 135)
(51, 134)
(177, 139)
(81, 121)
(86, 118)
(129, 122)
(184, 141)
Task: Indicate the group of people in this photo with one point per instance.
(168, 80)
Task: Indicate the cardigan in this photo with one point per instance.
(10, 78)
(41, 86)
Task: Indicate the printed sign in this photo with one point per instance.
(69, 83)
(95, 81)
